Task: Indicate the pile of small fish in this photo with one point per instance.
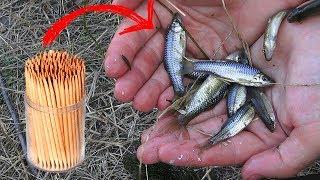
(233, 77)
(233, 73)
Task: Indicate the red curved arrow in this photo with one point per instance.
(54, 31)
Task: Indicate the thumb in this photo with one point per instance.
(300, 149)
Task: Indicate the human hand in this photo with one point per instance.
(292, 146)
(147, 85)
(295, 61)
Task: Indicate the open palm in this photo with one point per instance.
(292, 146)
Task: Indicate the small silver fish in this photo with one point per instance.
(208, 95)
(263, 108)
(236, 98)
(270, 35)
(181, 101)
(235, 124)
(174, 51)
(303, 11)
(231, 71)
(195, 75)
(237, 94)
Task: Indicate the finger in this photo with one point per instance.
(127, 44)
(187, 153)
(148, 152)
(238, 150)
(218, 38)
(250, 26)
(206, 37)
(295, 153)
(147, 97)
(144, 65)
(166, 98)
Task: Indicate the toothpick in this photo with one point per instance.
(55, 95)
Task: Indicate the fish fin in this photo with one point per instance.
(168, 127)
(173, 127)
(179, 102)
(188, 66)
(165, 113)
(242, 81)
(204, 145)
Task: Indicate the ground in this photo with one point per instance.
(111, 127)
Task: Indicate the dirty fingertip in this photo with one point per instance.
(147, 155)
(166, 98)
(122, 91)
(114, 66)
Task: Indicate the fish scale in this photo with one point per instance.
(195, 75)
(236, 98)
(233, 72)
(235, 124)
(237, 94)
(208, 95)
(263, 108)
(174, 52)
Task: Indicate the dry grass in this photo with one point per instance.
(111, 127)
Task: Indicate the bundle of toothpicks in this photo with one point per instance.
(55, 108)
